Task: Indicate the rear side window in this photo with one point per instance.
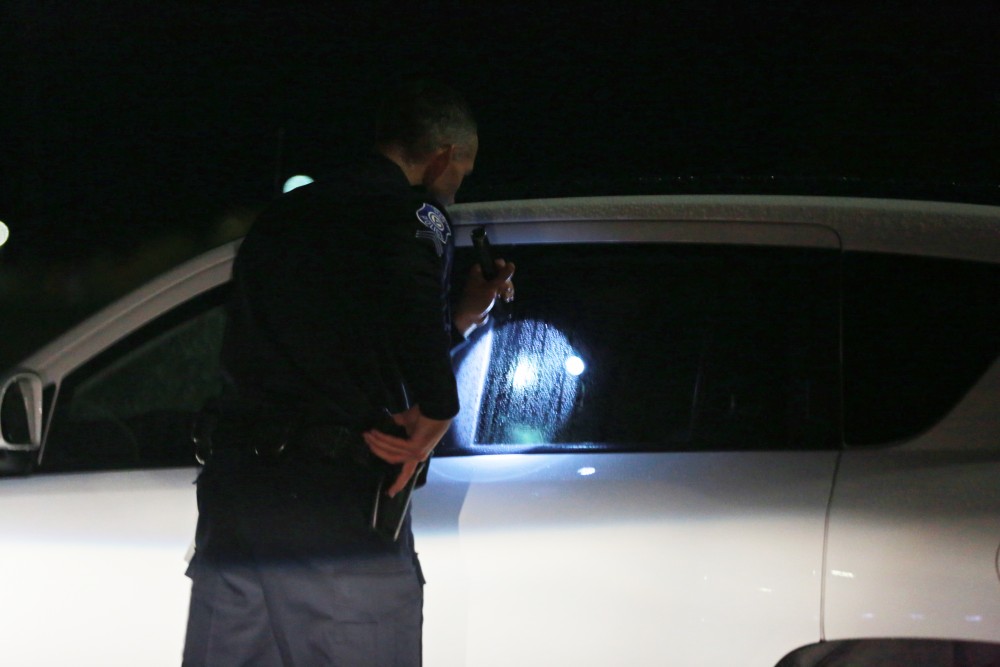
(14, 416)
(656, 347)
(133, 405)
(918, 333)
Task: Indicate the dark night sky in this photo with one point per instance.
(123, 120)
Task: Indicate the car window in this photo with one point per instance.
(14, 416)
(132, 406)
(918, 333)
(656, 347)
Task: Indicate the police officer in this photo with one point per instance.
(336, 354)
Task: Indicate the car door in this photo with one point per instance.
(92, 543)
(641, 468)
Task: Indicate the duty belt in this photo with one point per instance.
(325, 441)
(331, 441)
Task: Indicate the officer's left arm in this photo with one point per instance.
(479, 296)
(416, 304)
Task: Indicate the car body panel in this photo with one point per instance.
(95, 563)
(920, 529)
(601, 558)
(918, 522)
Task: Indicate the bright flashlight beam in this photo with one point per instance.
(4, 234)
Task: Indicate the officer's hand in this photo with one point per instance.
(480, 294)
(424, 434)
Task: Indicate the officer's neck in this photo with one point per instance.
(421, 171)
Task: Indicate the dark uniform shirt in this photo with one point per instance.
(341, 304)
(339, 313)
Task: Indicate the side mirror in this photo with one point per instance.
(20, 421)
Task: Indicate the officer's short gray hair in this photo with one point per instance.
(422, 116)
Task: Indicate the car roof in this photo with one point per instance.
(936, 229)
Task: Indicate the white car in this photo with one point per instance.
(712, 430)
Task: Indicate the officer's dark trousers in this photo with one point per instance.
(286, 574)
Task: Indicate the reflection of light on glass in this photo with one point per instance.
(974, 619)
(296, 182)
(917, 617)
(868, 615)
(4, 233)
(764, 589)
(586, 471)
(471, 379)
(527, 436)
(525, 374)
(842, 573)
(526, 385)
(574, 365)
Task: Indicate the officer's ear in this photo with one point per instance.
(438, 162)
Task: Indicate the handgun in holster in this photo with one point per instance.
(388, 514)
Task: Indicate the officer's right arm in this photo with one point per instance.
(423, 435)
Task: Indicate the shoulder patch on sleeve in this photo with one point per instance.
(436, 223)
